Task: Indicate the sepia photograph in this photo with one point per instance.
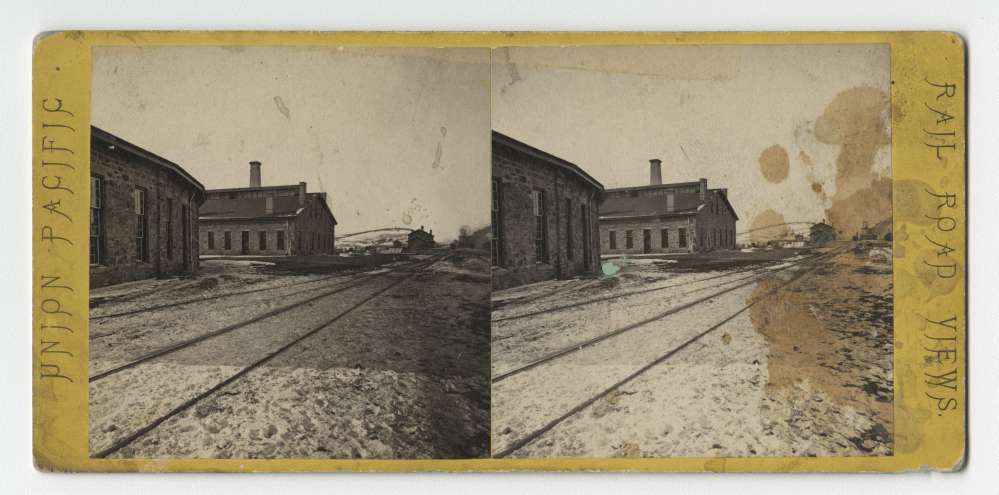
(289, 252)
(692, 251)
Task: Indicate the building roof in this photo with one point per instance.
(255, 208)
(504, 140)
(110, 140)
(655, 206)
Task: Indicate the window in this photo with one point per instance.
(280, 240)
(682, 237)
(211, 240)
(139, 200)
(664, 238)
(169, 232)
(629, 241)
(96, 219)
(497, 218)
(227, 240)
(568, 229)
(612, 239)
(263, 240)
(540, 228)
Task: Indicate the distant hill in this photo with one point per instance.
(373, 239)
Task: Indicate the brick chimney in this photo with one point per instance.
(254, 174)
(655, 171)
(301, 194)
(702, 189)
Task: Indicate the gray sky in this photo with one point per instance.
(706, 111)
(397, 137)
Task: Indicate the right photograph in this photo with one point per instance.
(692, 251)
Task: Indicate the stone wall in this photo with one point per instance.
(314, 231)
(235, 229)
(311, 232)
(168, 198)
(566, 198)
(672, 224)
(713, 227)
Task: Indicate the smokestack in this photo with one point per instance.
(702, 189)
(301, 194)
(254, 174)
(655, 171)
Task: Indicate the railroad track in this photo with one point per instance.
(186, 404)
(196, 300)
(355, 282)
(521, 442)
(519, 301)
(578, 346)
(565, 307)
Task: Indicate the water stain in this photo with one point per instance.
(806, 159)
(768, 225)
(816, 188)
(774, 164)
(832, 333)
(202, 141)
(440, 149)
(282, 107)
(856, 120)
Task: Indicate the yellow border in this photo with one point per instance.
(929, 418)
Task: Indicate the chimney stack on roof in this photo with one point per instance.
(702, 189)
(254, 174)
(301, 194)
(655, 171)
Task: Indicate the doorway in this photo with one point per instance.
(646, 241)
(244, 245)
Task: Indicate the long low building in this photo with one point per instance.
(544, 215)
(143, 210)
(266, 220)
(682, 217)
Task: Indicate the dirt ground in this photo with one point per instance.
(749, 388)
(405, 375)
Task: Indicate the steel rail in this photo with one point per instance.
(221, 296)
(534, 435)
(121, 443)
(627, 328)
(626, 294)
(235, 326)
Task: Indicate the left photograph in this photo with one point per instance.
(289, 253)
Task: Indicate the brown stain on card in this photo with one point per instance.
(829, 333)
(856, 120)
(768, 225)
(774, 164)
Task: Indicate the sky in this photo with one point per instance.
(396, 137)
(744, 117)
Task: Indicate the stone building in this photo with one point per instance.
(143, 213)
(682, 217)
(420, 239)
(266, 220)
(544, 215)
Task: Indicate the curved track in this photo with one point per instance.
(812, 265)
(126, 439)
